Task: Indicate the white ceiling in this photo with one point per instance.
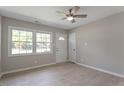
(47, 14)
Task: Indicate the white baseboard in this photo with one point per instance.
(28, 68)
(102, 70)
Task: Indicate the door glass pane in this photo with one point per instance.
(39, 35)
(43, 42)
(44, 38)
(43, 49)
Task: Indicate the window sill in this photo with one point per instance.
(33, 54)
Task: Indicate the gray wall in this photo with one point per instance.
(105, 44)
(18, 62)
(0, 46)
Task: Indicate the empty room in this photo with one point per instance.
(61, 45)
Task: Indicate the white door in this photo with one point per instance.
(61, 47)
(72, 46)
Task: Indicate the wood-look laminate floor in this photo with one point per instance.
(62, 74)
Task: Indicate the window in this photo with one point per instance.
(61, 38)
(26, 41)
(43, 42)
(21, 42)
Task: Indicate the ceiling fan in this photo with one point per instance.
(71, 15)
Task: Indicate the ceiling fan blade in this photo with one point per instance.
(63, 18)
(60, 12)
(70, 11)
(80, 16)
(73, 21)
(76, 9)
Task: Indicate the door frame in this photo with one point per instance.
(70, 51)
(56, 49)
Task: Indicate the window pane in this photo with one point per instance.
(39, 39)
(15, 47)
(23, 47)
(29, 39)
(22, 38)
(22, 33)
(61, 38)
(15, 33)
(48, 40)
(29, 34)
(15, 38)
(39, 35)
(38, 47)
(48, 35)
(43, 47)
(42, 37)
(29, 47)
(44, 44)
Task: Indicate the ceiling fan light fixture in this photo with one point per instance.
(70, 18)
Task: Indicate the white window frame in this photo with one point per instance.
(33, 41)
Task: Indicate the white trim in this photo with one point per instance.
(0, 76)
(102, 70)
(28, 68)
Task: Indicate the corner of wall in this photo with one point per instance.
(0, 50)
